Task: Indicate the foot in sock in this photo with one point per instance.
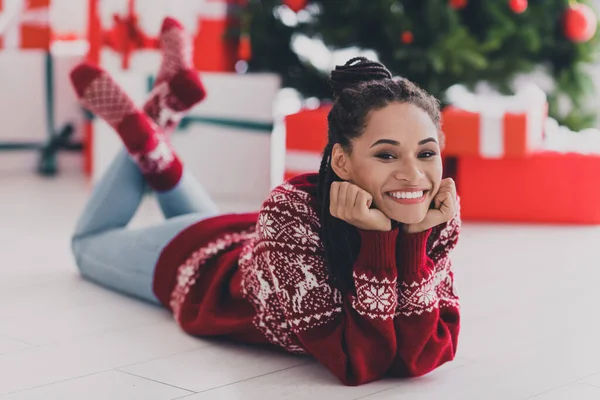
(177, 87)
(144, 140)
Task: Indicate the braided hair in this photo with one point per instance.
(359, 87)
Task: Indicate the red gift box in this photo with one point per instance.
(213, 50)
(547, 187)
(28, 24)
(496, 135)
(305, 139)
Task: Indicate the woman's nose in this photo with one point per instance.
(408, 171)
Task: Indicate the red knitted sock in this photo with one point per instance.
(177, 87)
(145, 141)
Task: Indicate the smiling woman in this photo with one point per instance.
(350, 266)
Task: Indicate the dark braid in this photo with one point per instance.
(356, 70)
(359, 87)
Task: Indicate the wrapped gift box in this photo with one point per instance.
(557, 184)
(225, 141)
(305, 139)
(25, 24)
(24, 99)
(214, 51)
(547, 187)
(494, 126)
(37, 96)
(208, 21)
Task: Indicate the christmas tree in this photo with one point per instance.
(435, 43)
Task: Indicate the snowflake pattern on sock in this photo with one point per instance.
(156, 160)
(162, 106)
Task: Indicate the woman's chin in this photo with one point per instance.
(406, 214)
(407, 219)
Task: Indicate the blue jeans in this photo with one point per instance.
(124, 259)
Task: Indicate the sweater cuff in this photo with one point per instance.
(413, 254)
(377, 249)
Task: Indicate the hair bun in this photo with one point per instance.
(356, 70)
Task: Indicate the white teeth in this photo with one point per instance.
(407, 195)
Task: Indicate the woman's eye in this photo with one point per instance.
(427, 154)
(385, 156)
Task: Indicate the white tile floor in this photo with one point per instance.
(530, 321)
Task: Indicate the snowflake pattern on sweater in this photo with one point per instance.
(375, 298)
(285, 277)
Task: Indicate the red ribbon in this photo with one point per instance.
(126, 35)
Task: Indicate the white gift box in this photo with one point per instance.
(35, 83)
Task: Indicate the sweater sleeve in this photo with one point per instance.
(428, 320)
(359, 345)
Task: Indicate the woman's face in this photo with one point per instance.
(397, 160)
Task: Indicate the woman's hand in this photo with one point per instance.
(444, 208)
(352, 204)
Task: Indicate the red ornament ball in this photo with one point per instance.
(457, 4)
(407, 37)
(518, 6)
(580, 23)
(295, 5)
(245, 48)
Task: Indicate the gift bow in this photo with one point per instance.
(527, 97)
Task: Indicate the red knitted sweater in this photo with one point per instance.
(261, 278)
